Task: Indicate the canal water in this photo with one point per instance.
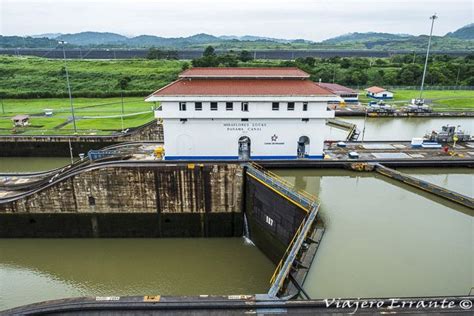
(460, 180)
(401, 128)
(385, 239)
(33, 270)
(31, 164)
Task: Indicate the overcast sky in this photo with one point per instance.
(308, 19)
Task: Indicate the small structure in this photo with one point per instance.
(379, 93)
(347, 94)
(21, 120)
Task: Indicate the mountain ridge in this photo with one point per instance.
(462, 38)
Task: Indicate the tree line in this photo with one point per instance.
(403, 70)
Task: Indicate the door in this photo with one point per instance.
(303, 147)
(244, 148)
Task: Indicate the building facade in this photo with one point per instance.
(347, 94)
(243, 113)
(379, 93)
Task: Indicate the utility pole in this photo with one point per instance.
(432, 18)
(457, 77)
(121, 95)
(69, 87)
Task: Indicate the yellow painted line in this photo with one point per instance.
(152, 298)
(275, 190)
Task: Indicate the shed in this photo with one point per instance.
(21, 120)
(379, 93)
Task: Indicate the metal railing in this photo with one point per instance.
(283, 268)
(300, 197)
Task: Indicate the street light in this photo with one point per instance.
(432, 18)
(69, 87)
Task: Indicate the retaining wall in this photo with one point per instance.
(161, 201)
(273, 219)
(58, 145)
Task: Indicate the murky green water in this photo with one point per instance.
(460, 180)
(384, 239)
(33, 270)
(398, 128)
(30, 164)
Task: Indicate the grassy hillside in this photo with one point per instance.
(28, 85)
(29, 77)
(93, 116)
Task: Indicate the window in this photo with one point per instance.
(198, 106)
(182, 106)
(229, 106)
(91, 201)
(291, 106)
(275, 106)
(245, 106)
(305, 106)
(269, 220)
(213, 106)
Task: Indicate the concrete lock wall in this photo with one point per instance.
(46, 146)
(273, 219)
(166, 201)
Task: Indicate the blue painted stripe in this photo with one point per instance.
(379, 98)
(237, 158)
(201, 157)
(273, 157)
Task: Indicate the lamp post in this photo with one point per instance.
(69, 87)
(121, 97)
(432, 18)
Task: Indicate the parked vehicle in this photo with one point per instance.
(417, 106)
(379, 107)
(448, 133)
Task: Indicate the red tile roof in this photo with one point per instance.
(242, 87)
(336, 88)
(375, 89)
(229, 72)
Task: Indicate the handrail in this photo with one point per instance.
(279, 183)
(306, 201)
(283, 269)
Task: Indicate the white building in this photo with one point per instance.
(347, 94)
(240, 113)
(379, 93)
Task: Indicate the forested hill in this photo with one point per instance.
(461, 39)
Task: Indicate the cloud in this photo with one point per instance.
(310, 19)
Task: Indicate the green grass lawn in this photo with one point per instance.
(88, 112)
(442, 100)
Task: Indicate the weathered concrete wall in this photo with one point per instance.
(45, 146)
(189, 200)
(273, 219)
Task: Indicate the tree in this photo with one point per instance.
(209, 51)
(154, 53)
(245, 55)
(228, 60)
(185, 66)
(410, 74)
(123, 82)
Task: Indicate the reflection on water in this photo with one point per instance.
(459, 180)
(33, 270)
(398, 128)
(30, 164)
(385, 239)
